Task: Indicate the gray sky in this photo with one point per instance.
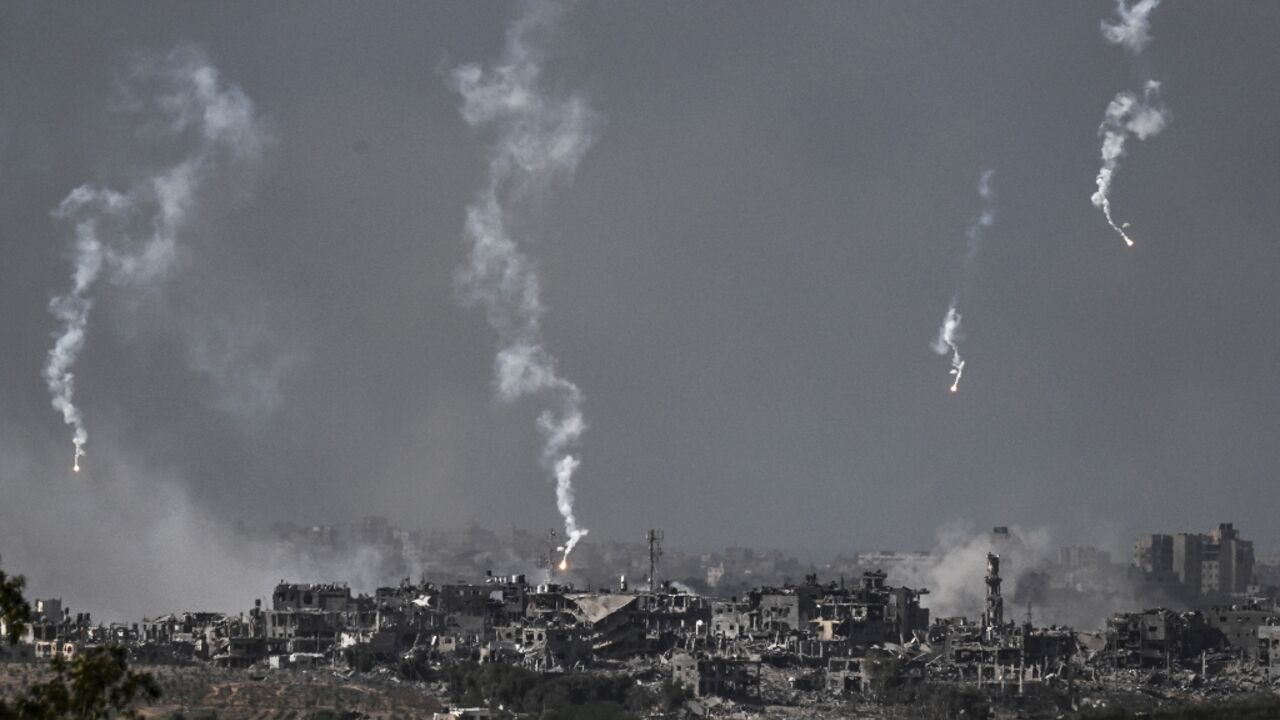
(743, 278)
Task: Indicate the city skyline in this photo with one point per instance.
(742, 277)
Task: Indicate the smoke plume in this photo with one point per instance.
(1132, 27)
(955, 568)
(1036, 580)
(1127, 114)
(949, 335)
(540, 135)
(132, 237)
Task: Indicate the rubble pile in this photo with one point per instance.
(832, 648)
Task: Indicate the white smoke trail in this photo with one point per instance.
(540, 136)
(132, 237)
(1126, 115)
(1132, 27)
(948, 340)
(949, 335)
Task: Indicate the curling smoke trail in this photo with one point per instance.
(949, 335)
(540, 136)
(949, 340)
(1127, 114)
(132, 237)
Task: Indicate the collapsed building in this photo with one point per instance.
(838, 637)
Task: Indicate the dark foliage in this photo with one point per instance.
(1262, 708)
(14, 609)
(938, 702)
(579, 694)
(95, 684)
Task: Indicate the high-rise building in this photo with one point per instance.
(1188, 559)
(1154, 554)
(1219, 562)
(1234, 557)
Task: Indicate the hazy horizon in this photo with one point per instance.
(742, 270)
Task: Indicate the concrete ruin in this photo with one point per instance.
(836, 639)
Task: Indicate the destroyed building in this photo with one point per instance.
(722, 676)
(840, 637)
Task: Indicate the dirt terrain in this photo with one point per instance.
(202, 692)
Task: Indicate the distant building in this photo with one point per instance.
(1153, 553)
(1234, 557)
(1220, 562)
(1239, 626)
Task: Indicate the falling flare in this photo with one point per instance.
(540, 136)
(1128, 114)
(191, 97)
(564, 565)
(957, 369)
(949, 335)
(948, 341)
(1101, 200)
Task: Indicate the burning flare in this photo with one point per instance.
(1127, 115)
(540, 136)
(185, 91)
(948, 340)
(949, 335)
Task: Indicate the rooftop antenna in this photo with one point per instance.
(654, 538)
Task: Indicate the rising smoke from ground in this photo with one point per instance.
(132, 237)
(128, 544)
(133, 543)
(1034, 579)
(954, 571)
(540, 135)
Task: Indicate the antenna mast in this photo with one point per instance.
(655, 553)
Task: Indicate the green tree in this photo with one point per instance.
(95, 685)
(14, 610)
(590, 711)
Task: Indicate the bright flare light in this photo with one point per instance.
(564, 565)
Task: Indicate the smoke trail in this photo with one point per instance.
(949, 335)
(132, 237)
(1132, 27)
(1127, 114)
(540, 136)
(948, 340)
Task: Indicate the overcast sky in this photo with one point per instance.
(743, 277)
